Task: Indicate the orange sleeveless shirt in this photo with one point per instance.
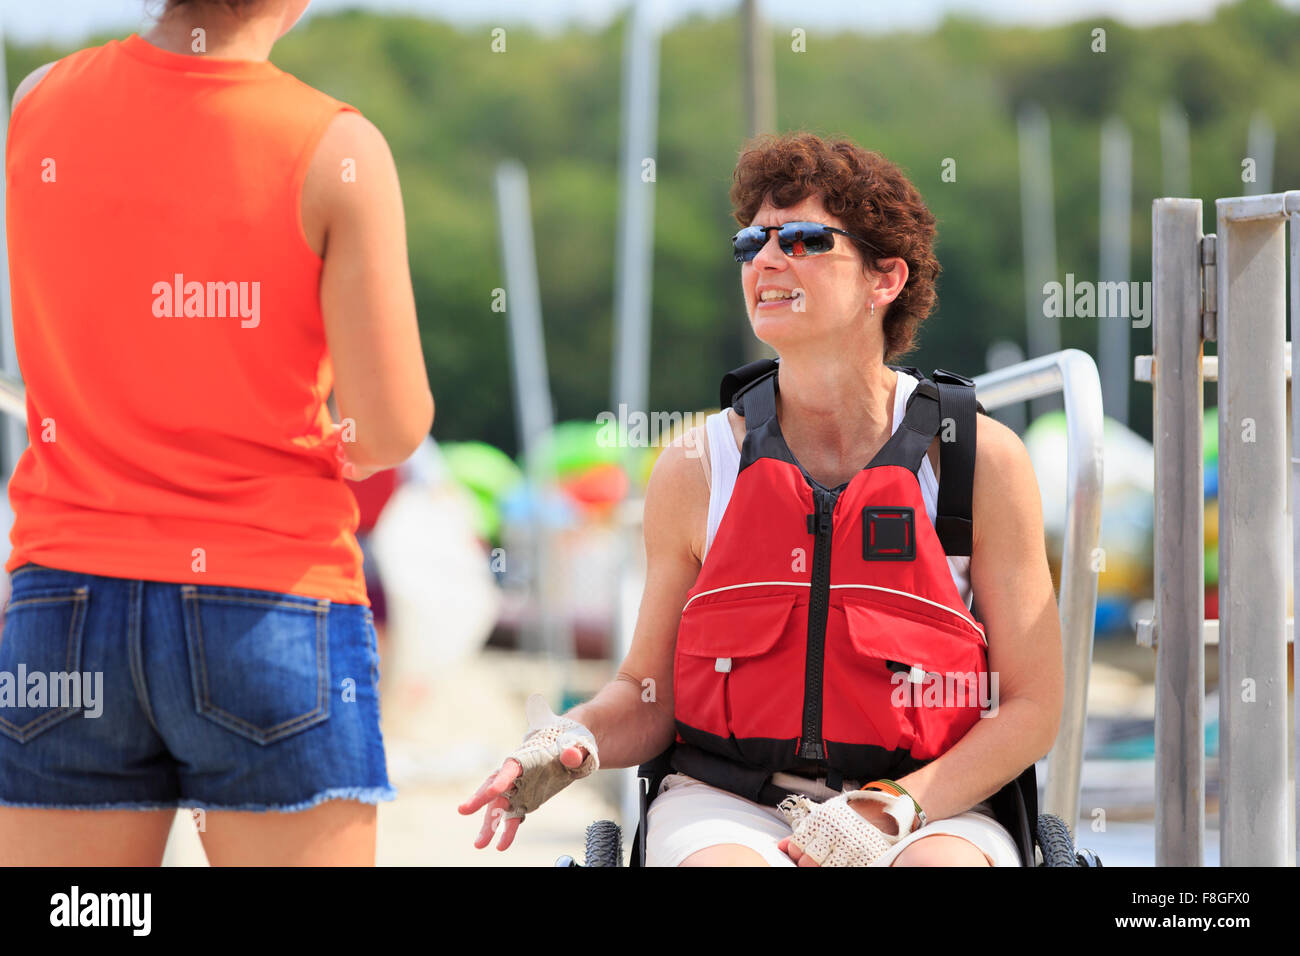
(167, 319)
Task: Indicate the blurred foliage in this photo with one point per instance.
(451, 109)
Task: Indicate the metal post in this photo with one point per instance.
(1116, 228)
(13, 399)
(760, 85)
(13, 432)
(1038, 225)
(760, 112)
(1252, 532)
(533, 409)
(523, 308)
(636, 179)
(1260, 141)
(1293, 213)
(1179, 531)
(1175, 153)
(1074, 374)
(632, 292)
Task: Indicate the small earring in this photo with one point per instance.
(873, 307)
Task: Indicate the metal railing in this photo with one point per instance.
(1074, 374)
(1229, 287)
(13, 398)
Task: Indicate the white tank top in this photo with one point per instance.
(724, 463)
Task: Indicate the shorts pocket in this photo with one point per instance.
(259, 660)
(372, 646)
(40, 659)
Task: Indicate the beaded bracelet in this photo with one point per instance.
(894, 788)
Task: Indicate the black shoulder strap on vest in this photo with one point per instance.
(956, 399)
(737, 380)
(956, 460)
(756, 402)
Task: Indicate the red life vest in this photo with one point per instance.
(825, 634)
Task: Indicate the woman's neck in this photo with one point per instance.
(248, 35)
(835, 412)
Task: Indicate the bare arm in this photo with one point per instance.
(358, 225)
(1013, 585)
(632, 716)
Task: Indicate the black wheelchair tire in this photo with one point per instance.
(604, 844)
(1055, 842)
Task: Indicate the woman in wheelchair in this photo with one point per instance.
(807, 650)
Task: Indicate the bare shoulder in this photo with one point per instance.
(1006, 488)
(351, 178)
(352, 139)
(997, 445)
(348, 132)
(677, 497)
(29, 83)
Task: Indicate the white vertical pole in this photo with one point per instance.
(760, 110)
(523, 308)
(1176, 258)
(1260, 140)
(1175, 152)
(760, 84)
(637, 173)
(13, 433)
(1039, 233)
(636, 179)
(1254, 807)
(1116, 234)
(1293, 213)
(532, 396)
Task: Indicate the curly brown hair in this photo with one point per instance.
(868, 193)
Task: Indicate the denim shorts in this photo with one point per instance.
(131, 694)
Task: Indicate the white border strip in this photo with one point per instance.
(751, 584)
(870, 587)
(917, 597)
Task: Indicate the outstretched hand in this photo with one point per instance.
(491, 794)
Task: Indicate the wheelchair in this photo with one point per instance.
(1043, 839)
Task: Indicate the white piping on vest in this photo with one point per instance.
(750, 584)
(917, 597)
(870, 587)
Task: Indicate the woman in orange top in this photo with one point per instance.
(202, 248)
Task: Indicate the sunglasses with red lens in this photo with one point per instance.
(796, 239)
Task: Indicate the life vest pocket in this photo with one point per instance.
(913, 679)
(739, 664)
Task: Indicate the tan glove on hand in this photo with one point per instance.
(543, 775)
(832, 833)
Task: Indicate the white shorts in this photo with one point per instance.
(688, 815)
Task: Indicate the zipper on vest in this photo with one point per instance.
(819, 525)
